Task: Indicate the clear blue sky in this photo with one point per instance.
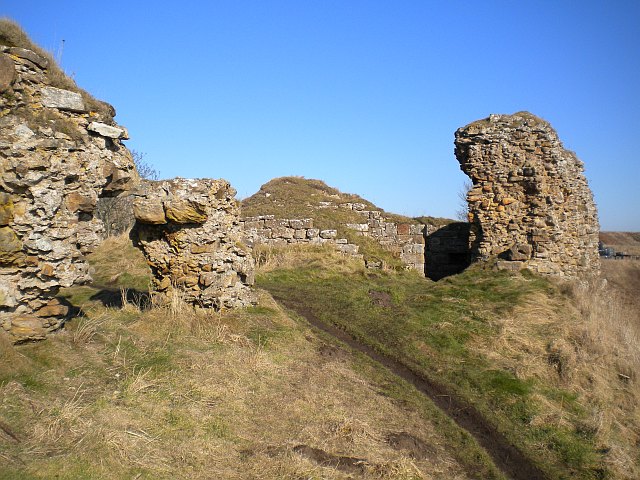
(365, 95)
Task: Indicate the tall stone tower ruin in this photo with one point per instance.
(530, 205)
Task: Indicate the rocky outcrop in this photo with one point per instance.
(190, 234)
(53, 168)
(530, 204)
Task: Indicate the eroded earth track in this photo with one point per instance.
(509, 459)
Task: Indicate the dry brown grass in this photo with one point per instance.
(269, 258)
(177, 393)
(587, 345)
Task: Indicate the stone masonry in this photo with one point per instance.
(190, 234)
(530, 204)
(405, 240)
(56, 158)
(267, 230)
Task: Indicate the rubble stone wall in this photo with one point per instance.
(190, 234)
(530, 205)
(405, 240)
(56, 159)
(267, 230)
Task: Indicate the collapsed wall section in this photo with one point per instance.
(530, 204)
(190, 234)
(56, 158)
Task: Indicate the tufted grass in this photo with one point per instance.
(12, 35)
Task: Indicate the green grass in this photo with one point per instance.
(435, 328)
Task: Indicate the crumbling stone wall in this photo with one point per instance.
(267, 230)
(56, 159)
(404, 239)
(190, 234)
(530, 205)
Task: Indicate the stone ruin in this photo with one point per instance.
(530, 205)
(403, 239)
(190, 234)
(60, 152)
(56, 158)
(269, 230)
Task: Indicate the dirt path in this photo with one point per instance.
(506, 457)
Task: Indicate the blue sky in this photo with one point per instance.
(365, 95)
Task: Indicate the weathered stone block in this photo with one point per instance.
(62, 99)
(149, 210)
(29, 55)
(184, 211)
(10, 246)
(106, 130)
(7, 72)
(326, 234)
(6, 209)
(282, 232)
(27, 327)
(207, 273)
(81, 202)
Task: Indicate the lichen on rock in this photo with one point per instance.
(190, 234)
(530, 205)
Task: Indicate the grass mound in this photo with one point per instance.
(298, 197)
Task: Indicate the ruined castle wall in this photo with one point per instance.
(530, 205)
(56, 159)
(403, 239)
(190, 234)
(267, 230)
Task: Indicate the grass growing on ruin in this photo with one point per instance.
(298, 197)
(152, 393)
(515, 346)
(12, 35)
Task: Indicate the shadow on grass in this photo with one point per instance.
(117, 298)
